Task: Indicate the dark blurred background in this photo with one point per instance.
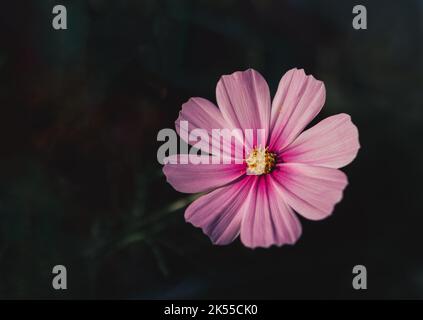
(79, 114)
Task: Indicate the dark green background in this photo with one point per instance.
(79, 114)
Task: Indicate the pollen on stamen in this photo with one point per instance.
(260, 161)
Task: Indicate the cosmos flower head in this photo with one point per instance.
(283, 172)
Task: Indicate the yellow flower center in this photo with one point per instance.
(260, 161)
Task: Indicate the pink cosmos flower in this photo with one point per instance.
(294, 171)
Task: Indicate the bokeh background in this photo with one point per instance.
(79, 114)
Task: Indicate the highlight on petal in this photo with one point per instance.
(333, 143)
(298, 100)
(268, 220)
(244, 100)
(219, 213)
(193, 178)
(312, 191)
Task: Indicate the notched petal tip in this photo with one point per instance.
(355, 137)
(298, 99)
(269, 245)
(189, 217)
(332, 143)
(300, 72)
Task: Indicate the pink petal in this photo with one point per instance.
(193, 178)
(268, 219)
(220, 212)
(244, 99)
(310, 190)
(333, 142)
(203, 114)
(298, 100)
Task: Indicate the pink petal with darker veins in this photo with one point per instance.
(311, 191)
(202, 114)
(219, 213)
(298, 100)
(269, 220)
(244, 99)
(333, 143)
(193, 178)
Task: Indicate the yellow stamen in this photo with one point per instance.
(260, 161)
